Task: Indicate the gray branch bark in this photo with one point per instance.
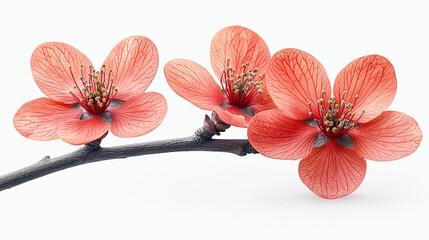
(200, 141)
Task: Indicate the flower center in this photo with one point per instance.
(94, 91)
(335, 119)
(241, 88)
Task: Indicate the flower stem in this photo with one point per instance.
(200, 141)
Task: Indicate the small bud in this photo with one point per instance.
(219, 124)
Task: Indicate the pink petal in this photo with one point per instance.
(263, 104)
(134, 62)
(241, 45)
(139, 115)
(233, 116)
(79, 132)
(332, 171)
(51, 64)
(194, 83)
(38, 119)
(294, 79)
(263, 101)
(373, 79)
(276, 136)
(391, 135)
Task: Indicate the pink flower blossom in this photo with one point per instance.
(83, 103)
(239, 58)
(332, 131)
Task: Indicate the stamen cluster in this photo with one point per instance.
(94, 92)
(241, 88)
(336, 119)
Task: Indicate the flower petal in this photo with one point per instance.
(332, 171)
(263, 104)
(194, 83)
(79, 132)
(294, 79)
(134, 62)
(52, 64)
(241, 45)
(276, 136)
(38, 118)
(373, 79)
(391, 135)
(233, 116)
(139, 115)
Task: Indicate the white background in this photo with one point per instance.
(210, 195)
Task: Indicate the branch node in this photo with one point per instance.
(250, 149)
(245, 149)
(45, 158)
(202, 134)
(93, 146)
